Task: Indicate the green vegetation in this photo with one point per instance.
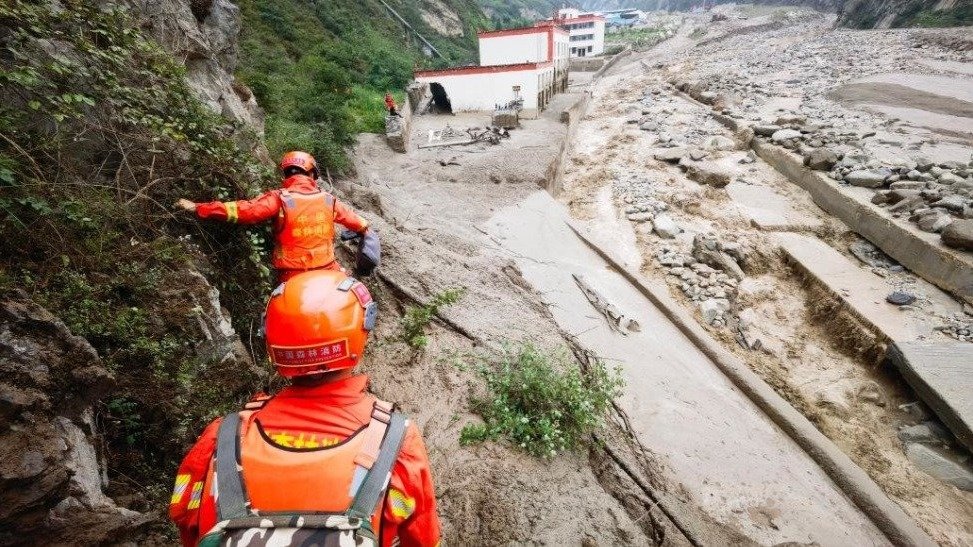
(417, 318)
(540, 401)
(518, 13)
(956, 16)
(908, 13)
(639, 38)
(98, 136)
(321, 69)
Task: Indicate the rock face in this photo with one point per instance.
(50, 472)
(204, 34)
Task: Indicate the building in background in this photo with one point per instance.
(586, 31)
(528, 64)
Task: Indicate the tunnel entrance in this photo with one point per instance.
(440, 100)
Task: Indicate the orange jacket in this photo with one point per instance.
(389, 102)
(313, 245)
(311, 416)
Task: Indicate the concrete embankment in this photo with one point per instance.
(691, 403)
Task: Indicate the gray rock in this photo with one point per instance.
(959, 235)
(907, 185)
(953, 202)
(719, 142)
(939, 464)
(866, 178)
(821, 159)
(640, 217)
(897, 195)
(907, 204)
(713, 309)
(900, 298)
(785, 135)
(926, 432)
(949, 178)
(697, 155)
(709, 173)
(766, 130)
(672, 155)
(934, 221)
(665, 227)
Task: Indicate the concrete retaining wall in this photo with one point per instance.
(921, 252)
(587, 64)
(611, 62)
(570, 116)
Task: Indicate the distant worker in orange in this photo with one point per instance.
(304, 217)
(390, 104)
(323, 462)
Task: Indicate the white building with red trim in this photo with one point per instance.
(587, 31)
(527, 63)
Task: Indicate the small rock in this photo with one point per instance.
(719, 142)
(821, 159)
(959, 235)
(665, 227)
(926, 432)
(709, 174)
(697, 155)
(672, 155)
(766, 130)
(953, 202)
(640, 217)
(785, 135)
(713, 309)
(938, 463)
(934, 221)
(900, 298)
(866, 178)
(949, 178)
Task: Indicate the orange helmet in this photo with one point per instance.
(301, 160)
(318, 321)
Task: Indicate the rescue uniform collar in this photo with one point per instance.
(344, 392)
(301, 183)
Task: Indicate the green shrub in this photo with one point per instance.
(540, 401)
(417, 318)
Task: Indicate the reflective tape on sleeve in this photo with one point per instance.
(232, 212)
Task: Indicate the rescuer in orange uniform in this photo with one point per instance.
(300, 451)
(304, 218)
(390, 105)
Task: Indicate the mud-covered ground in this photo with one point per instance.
(698, 200)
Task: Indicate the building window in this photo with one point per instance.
(589, 49)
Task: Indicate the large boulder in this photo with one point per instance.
(959, 235)
(50, 472)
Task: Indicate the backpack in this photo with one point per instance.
(239, 525)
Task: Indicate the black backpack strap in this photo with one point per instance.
(377, 479)
(231, 500)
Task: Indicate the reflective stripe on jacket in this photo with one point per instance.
(305, 235)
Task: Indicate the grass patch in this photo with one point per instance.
(638, 38)
(413, 324)
(540, 401)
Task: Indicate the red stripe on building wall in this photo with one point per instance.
(461, 70)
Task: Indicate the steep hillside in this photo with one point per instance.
(906, 13)
(117, 342)
(320, 69)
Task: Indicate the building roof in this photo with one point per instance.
(579, 19)
(533, 29)
(476, 69)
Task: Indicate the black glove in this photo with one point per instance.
(369, 254)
